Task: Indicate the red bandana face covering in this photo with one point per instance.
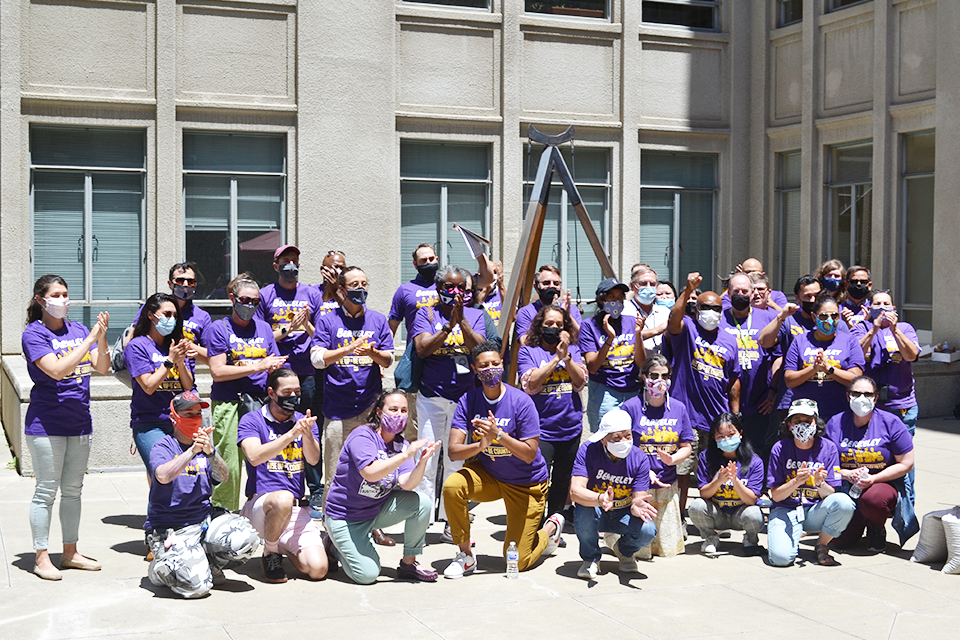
(187, 426)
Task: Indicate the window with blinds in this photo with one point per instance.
(87, 217)
(916, 256)
(851, 202)
(788, 218)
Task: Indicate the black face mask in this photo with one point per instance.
(807, 306)
(288, 403)
(740, 302)
(858, 291)
(357, 296)
(428, 271)
(691, 309)
(547, 295)
(290, 272)
(551, 335)
(184, 292)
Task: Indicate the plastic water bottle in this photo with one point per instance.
(855, 491)
(513, 561)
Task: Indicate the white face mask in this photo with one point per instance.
(862, 406)
(708, 319)
(620, 449)
(804, 431)
(57, 307)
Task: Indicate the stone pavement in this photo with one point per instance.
(870, 596)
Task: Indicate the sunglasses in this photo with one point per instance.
(859, 281)
(711, 307)
(653, 375)
(185, 281)
(167, 314)
(828, 316)
(334, 252)
(862, 394)
(248, 300)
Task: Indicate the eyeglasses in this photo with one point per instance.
(862, 394)
(828, 316)
(711, 307)
(654, 375)
(185, 281)
(248, 300)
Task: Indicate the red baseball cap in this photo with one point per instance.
(280, 250)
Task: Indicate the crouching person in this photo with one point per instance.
(191, 547)
(275, 441)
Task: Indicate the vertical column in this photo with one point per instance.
(14, 202)
(165, 214)
(760, 218)
(629, 176)
(812, 218)
(510, 177)
(884, 215)
(736, 237)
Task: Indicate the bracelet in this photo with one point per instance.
(499, 434)
(598, 499)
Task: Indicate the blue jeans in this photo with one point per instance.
(909, 418)
(146, 434)
(635, 534)
(59, 462)
(601, 399)
(830, 516)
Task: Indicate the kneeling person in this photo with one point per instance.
(191, 547)
(275, 441)
(609, 488)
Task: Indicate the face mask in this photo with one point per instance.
(862, 406)
(449, 297)
(827, 327)
(656, 388)
(613, 307)
(357, 296)
(804, 431)
(691, 309)
(665, 302)
(876, 310)
(165, 326)
(57, 307)
(858, 291)
(708, 319)
(186, 426)
(290, 272)
(647, 295)
(467, 298)
(491, 376)
(739, 302)
(729, 445)
(548, 295)
(807, 306)
(428, 271)
(551, 335)
(393, 423)
(288, 403)
(244, 311)
(832, 284)
(184, 292)
(620, 449)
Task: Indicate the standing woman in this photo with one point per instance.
(60, 356)
(833, 278)
(242, 352)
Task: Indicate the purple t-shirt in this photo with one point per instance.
(776, 297)
(659, 428)
(185, 500)
(244, 346)
(517, 416)
(494, 305)
(755, 361)
(57, 407)
(353, 382)
(446, 372)
(786, 458)
(795, 325)
(705, 364)
(143, 355)
(843, 351)
(625, 475)
(887, 366)
(618, 371)
(526, 314)
(408, 299)
(559, 406)
(351, 497)
(277, 308)
(284, 470)
(726, 498)
(195, 322)
(873, 445)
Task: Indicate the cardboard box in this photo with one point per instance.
(945, 357)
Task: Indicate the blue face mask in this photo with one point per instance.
(613, 307)
(647, 295)
(832, 284)
(729, 445)
(165, 326)
(827, 327)
(664, 302)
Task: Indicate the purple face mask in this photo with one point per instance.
(393, 422)
(491, 376)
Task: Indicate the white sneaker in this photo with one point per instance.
(554, 542)
(709, 546)
(588, 570)
(463, 565)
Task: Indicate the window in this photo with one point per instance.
(578, 8)
(916, 281)
(442, 183)
(234, 206)
(836, 5)
(563, 242)
(790, 12)
(87, 211)
(677, 205)
(473, 4)
(788, 218)
(695, 14)
(851, 203)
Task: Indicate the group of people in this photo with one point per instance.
(809, 402)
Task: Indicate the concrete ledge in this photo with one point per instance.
(938, 387)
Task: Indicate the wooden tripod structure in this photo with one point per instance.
(525, 265)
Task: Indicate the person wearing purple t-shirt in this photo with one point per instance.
(803, 475)
(352, 345)
(855, 308)
(706, 365)
(373, 488)
(750, 268)
(553, 373)
(276, 441)
(876, 454)
(730, 477)
(609, 490)
(498, 426)
(61, 356)
(241, 352)
(662, 432)
(191, 547)
(548, 285)
(821, 363)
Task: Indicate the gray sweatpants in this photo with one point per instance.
(709, 519)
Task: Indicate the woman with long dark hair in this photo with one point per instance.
(61, 355)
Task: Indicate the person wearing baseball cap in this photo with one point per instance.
(191, 543)
(609, 490)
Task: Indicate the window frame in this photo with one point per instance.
(436, 5)
(834, 186)
(781, 14)
(835, 5)
(714, 4)
(781, 193)
(607, 13)
(905, 178)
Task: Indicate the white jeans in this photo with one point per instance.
(59, 463)
(433, 423)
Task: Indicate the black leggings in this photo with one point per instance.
(560, 457)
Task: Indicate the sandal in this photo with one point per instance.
(824, 559)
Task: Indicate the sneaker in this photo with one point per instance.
(447, 536)
(876, 539)
(217, 573)
(554, 540)
(752, 549)
(316, 506)
(562, 544)
(588, 570)
(415, 572)
(462, 565)
(709, 546)
(273, 572)
(333, 565)
(628, 564)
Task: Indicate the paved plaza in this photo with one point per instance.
(869, 596)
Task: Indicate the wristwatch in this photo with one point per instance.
(168, 364)
(446, 329)
(283, 330)
(831, 370)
